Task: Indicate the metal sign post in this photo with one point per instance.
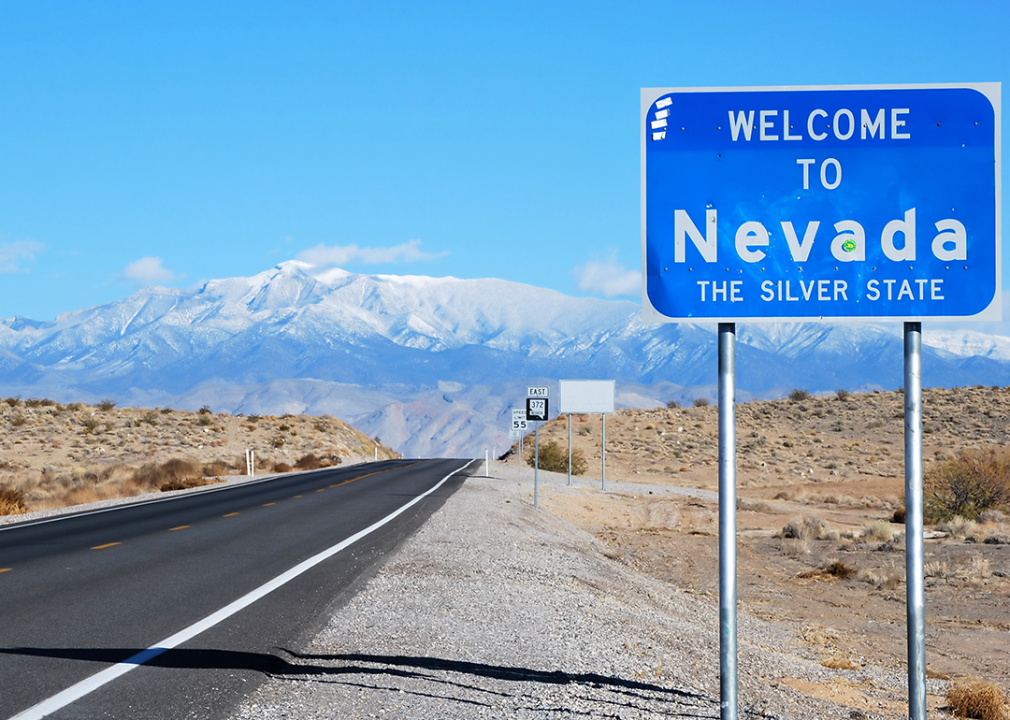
(536, 461)
(603, 453)
(727, 521)
(536, 411)
(569, 449)
(871, 202)
(915, 598)
(517, 429)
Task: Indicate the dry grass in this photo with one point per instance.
(12, 501)
(878, 531)
(981, 699)
(795, 547)
(959, 527)
(886, 579)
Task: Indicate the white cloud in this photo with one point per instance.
(341, 255)
(12, 254)
(608, 278)
(148, 271)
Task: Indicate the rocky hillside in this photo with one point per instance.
(53, 454)
(816, 439)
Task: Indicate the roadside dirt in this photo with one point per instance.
(830, 473)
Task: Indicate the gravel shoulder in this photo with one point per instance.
(497, 609)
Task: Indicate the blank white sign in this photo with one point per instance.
(587, 396)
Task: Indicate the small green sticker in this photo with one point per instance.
(849, 245)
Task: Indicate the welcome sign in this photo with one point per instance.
(877, 202)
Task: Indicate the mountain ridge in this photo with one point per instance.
(388, 350)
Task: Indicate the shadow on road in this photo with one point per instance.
(431, 669)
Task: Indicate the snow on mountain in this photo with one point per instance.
(968, 343)
(432, 365)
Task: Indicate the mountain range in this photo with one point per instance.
(433, 365)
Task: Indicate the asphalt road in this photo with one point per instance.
(80, 594)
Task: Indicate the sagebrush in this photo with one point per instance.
(554, 458)
(967, 485)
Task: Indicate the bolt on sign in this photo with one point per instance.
(844, 202)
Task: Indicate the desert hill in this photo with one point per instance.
(53, 455)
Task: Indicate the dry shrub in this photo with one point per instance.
(553, 458)
(794, 547)
(833, 570)
(976, 571)
(992, 517)
(281, 467)
(840, 663)
(310, 462)
(879, 530)
(12, 501)
(810, 528)
(217, 468)
(939, 569)
(974, 698)
(968, 485)
(886, 579)
(174, 474)
(959, 527)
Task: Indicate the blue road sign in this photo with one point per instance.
(875, 203)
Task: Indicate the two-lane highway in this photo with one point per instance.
(202, 593)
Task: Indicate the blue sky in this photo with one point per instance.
(170, 143)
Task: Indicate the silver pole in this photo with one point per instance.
(569, 448)
(603, 451)
(536, 463)
(727, 521)
(915, 595)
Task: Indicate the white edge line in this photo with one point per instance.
(88, 685)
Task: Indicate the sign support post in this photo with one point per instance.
(727, 522)
(536, 461)
(915, 593)
(603, 453)
(569, 449)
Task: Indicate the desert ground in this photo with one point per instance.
(819, 481)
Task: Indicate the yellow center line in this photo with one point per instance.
(320, 489)
(377, 472)
(267, 504)
(297, 496)
(5, 570)
(231, 514)
(106, 545)
(181, 527)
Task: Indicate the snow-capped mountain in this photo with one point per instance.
(432, 365)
